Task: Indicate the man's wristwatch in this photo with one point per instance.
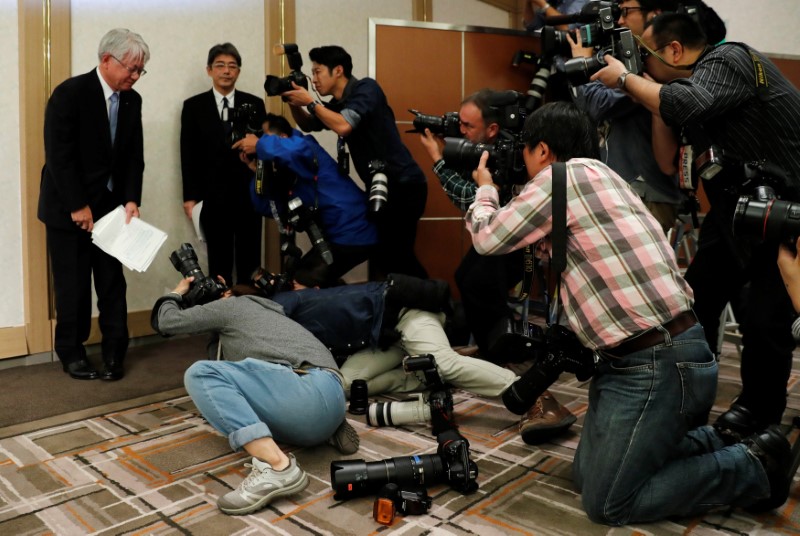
(312, 106)
(621, 80)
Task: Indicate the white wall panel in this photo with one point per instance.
(469, 13)
(11, 306)
(179, 34)
(769, 26)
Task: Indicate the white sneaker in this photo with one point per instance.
(261, 486)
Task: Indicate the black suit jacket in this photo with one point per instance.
(212, 172)
(79, 158)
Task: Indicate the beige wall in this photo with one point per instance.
(179, 33)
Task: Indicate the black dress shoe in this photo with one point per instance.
(736, 424)
(81, 370)
(775, 454)
(114, 371)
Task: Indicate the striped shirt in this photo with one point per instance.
(621, 275)
(721, 95)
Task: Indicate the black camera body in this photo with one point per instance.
(761, 214)
(303, 219)
(451, 464)
(244, 119)
(599, 18)
(505, 154)
(558, 350)
(203, 289)
(617, 42)
(446, 125)
(270, 284)
(275, 85)
(600, 33)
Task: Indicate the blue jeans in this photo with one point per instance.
(637, 461)
(251, 399)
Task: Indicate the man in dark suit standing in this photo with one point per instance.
(212, 171)
(94, 162)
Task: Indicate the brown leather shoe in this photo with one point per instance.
(545, 420)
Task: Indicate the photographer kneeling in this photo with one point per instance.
(274, 371)
(624, 297)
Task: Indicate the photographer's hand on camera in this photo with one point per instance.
(247, 145)
(432, 145)
(482, 176)
(576, 44)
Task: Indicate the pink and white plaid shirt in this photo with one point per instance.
(621, 275)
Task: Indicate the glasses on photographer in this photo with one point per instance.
(626, 10)
(645, 51)
(131, 70)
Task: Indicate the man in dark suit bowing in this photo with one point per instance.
(93, 163)
(212, 171)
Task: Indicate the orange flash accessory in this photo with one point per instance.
(383, 510)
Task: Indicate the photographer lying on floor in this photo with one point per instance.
(375, 325)
(274, 371)
(623, 296)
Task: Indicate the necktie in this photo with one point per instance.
(113, 110)
(226, 123)
(224, 114)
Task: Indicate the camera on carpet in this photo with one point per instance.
(556, 350)
(392, 499)
(437, 407)
(203, 289)
(275, 85)
(451, 464)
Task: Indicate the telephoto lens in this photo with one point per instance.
(399, 413)
(358, 397)
(378, 192)
(354, 478)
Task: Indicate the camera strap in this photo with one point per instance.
(558, 236)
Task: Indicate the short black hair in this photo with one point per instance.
(278, 124)
(663, 5)
(332, 55)
(482, 100)
(224, 48)
(568, 131)
(680, 27)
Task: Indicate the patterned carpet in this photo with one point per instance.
(158, 469)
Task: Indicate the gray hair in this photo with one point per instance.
(121, 42)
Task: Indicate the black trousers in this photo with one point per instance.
(484, 282)
(717, 276)
(233, 236)
(397, 232)
(313, 272)
(74, 260)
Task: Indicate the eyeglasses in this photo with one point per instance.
(222, 65)
(652, 52)
(626, 10)
(131, 70)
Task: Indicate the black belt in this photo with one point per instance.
(652, 336)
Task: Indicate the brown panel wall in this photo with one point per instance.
(432, 70)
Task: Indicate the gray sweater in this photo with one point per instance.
(248, 326)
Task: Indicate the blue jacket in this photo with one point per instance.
(346, 318)
(341, 205)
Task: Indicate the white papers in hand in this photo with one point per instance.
(135, 245)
